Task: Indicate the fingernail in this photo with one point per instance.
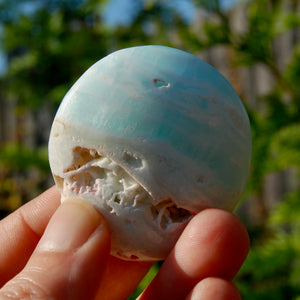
(71, 226)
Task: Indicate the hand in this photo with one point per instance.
(53, 251)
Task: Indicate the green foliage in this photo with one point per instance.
(20, 158)
(145, 282)
(50, 47)
(287, 214)
(22, 173)
(284, 148)
(216, 34)
(272, 269)
(292, 73)
(48, 50)
(255, 45)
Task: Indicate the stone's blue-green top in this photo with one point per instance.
(181, 107)
(150, 92)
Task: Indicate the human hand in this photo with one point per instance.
(53, 251)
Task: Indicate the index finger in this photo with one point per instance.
(21, 231)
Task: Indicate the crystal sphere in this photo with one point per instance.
(151, 135)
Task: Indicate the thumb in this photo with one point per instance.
(69, 260)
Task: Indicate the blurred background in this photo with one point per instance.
(45, 45)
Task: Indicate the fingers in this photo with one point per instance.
(214, 244)
(21, 231)
(214, 288)
(70, 258)
(121, 278)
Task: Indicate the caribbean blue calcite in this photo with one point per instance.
(160, 120)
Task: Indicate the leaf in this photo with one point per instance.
(288, 211)
(20, 158)
(145, 281)
(285, 147)
(292, 73)
(216, 33)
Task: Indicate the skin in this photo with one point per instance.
(61, 251)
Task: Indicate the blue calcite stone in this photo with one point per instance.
(167, 118)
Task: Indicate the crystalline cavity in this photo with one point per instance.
(95, 175)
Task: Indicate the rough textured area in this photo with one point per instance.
(92, 174)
